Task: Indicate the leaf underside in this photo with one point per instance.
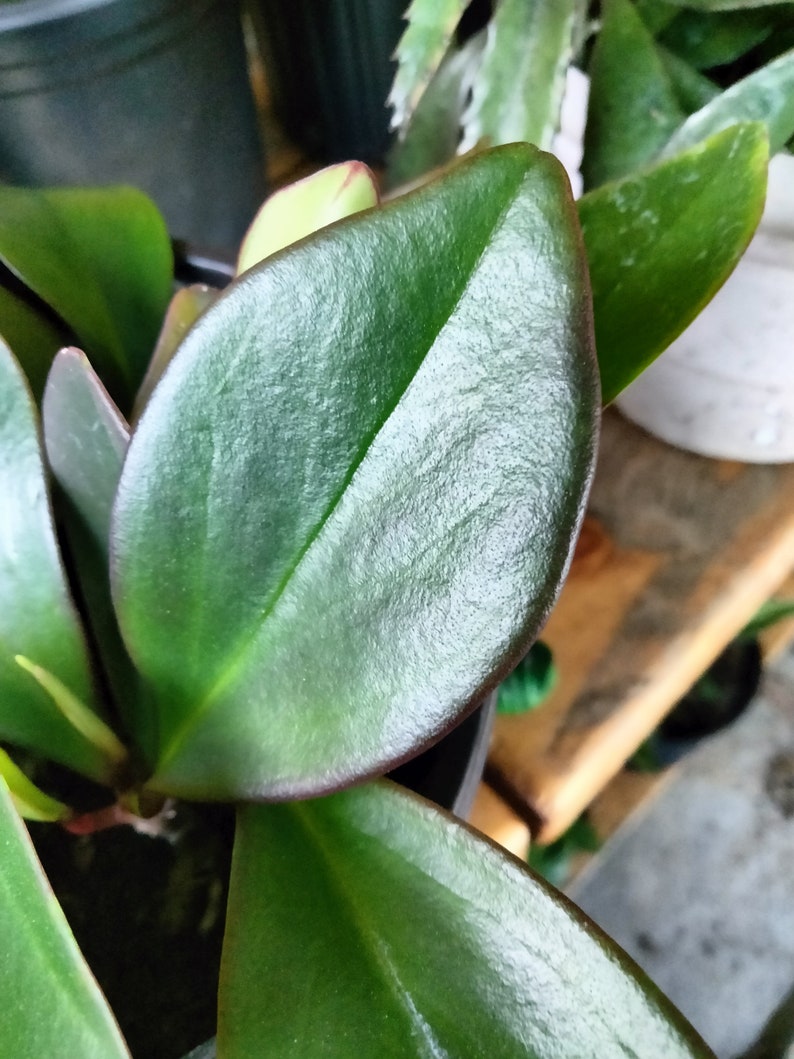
(373, 453)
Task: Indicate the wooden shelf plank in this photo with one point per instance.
(678, 553)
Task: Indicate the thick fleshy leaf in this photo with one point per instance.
(101, 258)
(350, 502)
(662, 242)
(633, 107)
(519, 86)
(34, 339)
(186, 307)
(706, 39)
(396, 931)
(431, 24)
(766, 95)
(719, 5)
(306, 206)
(86, 440)
(37, 618)
(691, 88)
(51, 1003)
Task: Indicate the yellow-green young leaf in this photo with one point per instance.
(351, 501)
(660, 244)
(306, 206)
(78, 715)
(37, 616)
(431, 24)
(30, 802)
(369, 924)
(51, 1003)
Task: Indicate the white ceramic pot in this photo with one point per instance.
(725, 388)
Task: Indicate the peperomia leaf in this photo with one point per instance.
(51, 1003)
(519, 86)
(35, 339)
(351, 500)
(37, 618)
(661, 243)
(395, 931)
(766, 95)
(633, 108)
(185, 308)
(86, 441)
(431, 24)
(296, 211)
(101, 258)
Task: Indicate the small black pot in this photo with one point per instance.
(330, 66)
(153, 93)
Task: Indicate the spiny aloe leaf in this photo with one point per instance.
(431, 24)
(35, 339)
(350, 502)
(519, 86)
(304, 207)
(662, 242)
(633, 107)
(101, 258)
(51, 1003)
(86, 439)
(394, 930)
(37, 618)
(766, 95)
(432, 136)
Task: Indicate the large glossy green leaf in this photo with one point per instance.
(766, 95)
(395, 931)
(633, 107)
(101, 258)
(431, 24)
(34, 339)
(350, 502)
(661, 243)
(519, 86)
(51, 1003)
(37, 618)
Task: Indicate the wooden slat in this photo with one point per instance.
(495, 819)
(678, 554)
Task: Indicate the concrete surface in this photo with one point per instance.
(698, 887)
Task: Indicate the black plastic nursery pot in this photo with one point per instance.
(330, 65)
(153, 93)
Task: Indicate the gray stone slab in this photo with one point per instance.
(699, 887)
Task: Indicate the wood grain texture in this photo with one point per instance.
(678, 553)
